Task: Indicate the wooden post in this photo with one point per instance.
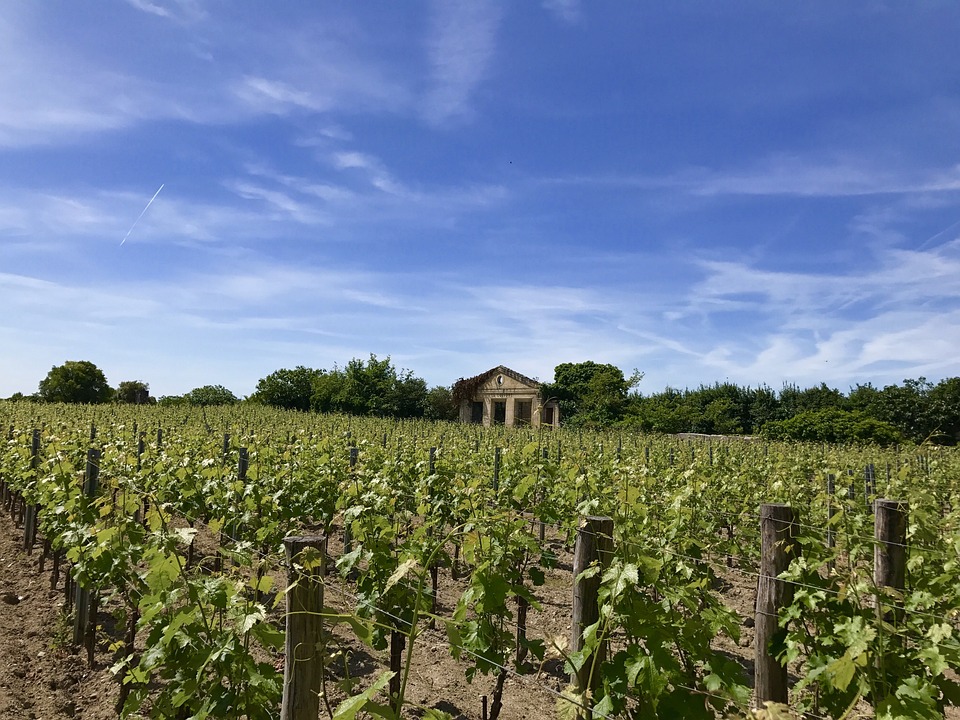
(543, 527)
(496, 472)
(832, 511)
(243, 464)
(777, 548)
(398, 641)
(303, 669)
(30, 517)
(347, 528)
(890, 550)
(594, 545)
(83, 624)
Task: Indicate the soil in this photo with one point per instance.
(45, 677)
(41, 676)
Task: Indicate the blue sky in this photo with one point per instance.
(748, 191)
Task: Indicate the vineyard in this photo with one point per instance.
(259, 564)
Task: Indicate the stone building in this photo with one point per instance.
(502, 396)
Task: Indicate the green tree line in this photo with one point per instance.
(917, 410)
(589, 394)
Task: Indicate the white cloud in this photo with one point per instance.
(568, 11)
(792, 175)
(179, 10)
(149, 7)
(276, 97)
(461, 44)
(344, 160)
(287, 206)
(898, 313)
(787, 175)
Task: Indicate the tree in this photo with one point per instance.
(134, 392)
(664, 412)
(288, 389)
(371, 387)
(944, 402)
(832, 425)
(908, 408)
(20, 397)
(440, 404)
(210, 395)
(76, 381)
(590, 393)
(793, 400)
(327, 389)
(764, 407)
(375, 387)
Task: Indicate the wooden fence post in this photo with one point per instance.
(30, 517)
(832, 511)
(594, 545)
(347, 527)
(303, 669)
(890, 549)
(496, 472)
(85, 620)
(777, 549)
(243, 464)
(398, 642)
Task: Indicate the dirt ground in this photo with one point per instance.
(41, 676)
(44, 678)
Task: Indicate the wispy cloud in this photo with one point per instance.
(53, 91)
(181, 10)
(277, 97)
(792, 175)
(363, 189)
(461, 44)
(782, 175)
(149, 7)
(898, 312)
(280, 203)
(568, 11)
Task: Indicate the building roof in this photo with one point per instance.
(465, 388)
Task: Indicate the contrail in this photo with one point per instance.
(141, 214)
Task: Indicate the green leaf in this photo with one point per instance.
(569, 704)
(399, 573)
(842, 671)
(268, 635)
(434, 714)
(604, 708)
(348, 709)
(185, 535)
(264, 584)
